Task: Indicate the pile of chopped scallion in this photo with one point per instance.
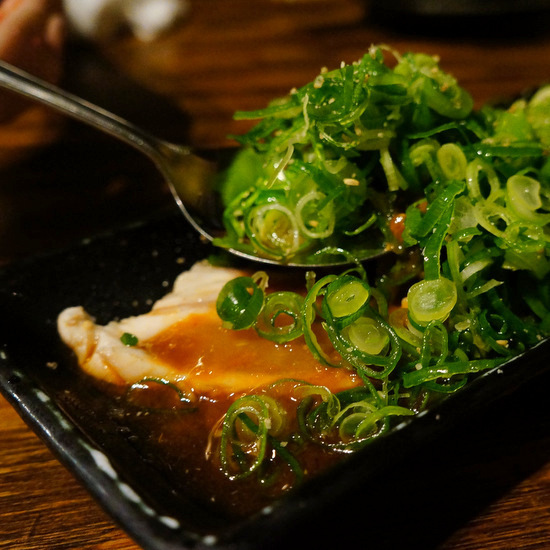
(391, 151)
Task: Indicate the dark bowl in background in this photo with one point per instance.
(495, 19)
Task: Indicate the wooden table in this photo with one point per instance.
(228, 55)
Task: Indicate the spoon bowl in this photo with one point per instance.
(191, 177)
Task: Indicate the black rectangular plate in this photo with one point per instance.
(391, 482)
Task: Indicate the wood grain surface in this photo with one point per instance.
(60, 182)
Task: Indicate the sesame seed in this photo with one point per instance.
(352, 182)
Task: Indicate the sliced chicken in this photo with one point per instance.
(182, 340)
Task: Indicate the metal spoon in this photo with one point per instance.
(189, 176)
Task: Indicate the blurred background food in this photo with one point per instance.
(102, 20)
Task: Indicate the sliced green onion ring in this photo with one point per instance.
(315, 219)
(280, 319)
(239, 303)
(431, 300)
(368, 336)
(273, 229)
(345, 300)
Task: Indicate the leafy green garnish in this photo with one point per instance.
(311, 171)
(462, 196)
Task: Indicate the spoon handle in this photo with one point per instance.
(187, 175)
(23, 83)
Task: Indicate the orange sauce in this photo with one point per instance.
(217, 361)
(220, 365)
(217, 367)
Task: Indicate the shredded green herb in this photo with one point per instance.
(326, 164)
(392, 152)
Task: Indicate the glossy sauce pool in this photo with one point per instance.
(218, 366)
(216, 361)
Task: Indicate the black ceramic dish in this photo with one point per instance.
(119, 274)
